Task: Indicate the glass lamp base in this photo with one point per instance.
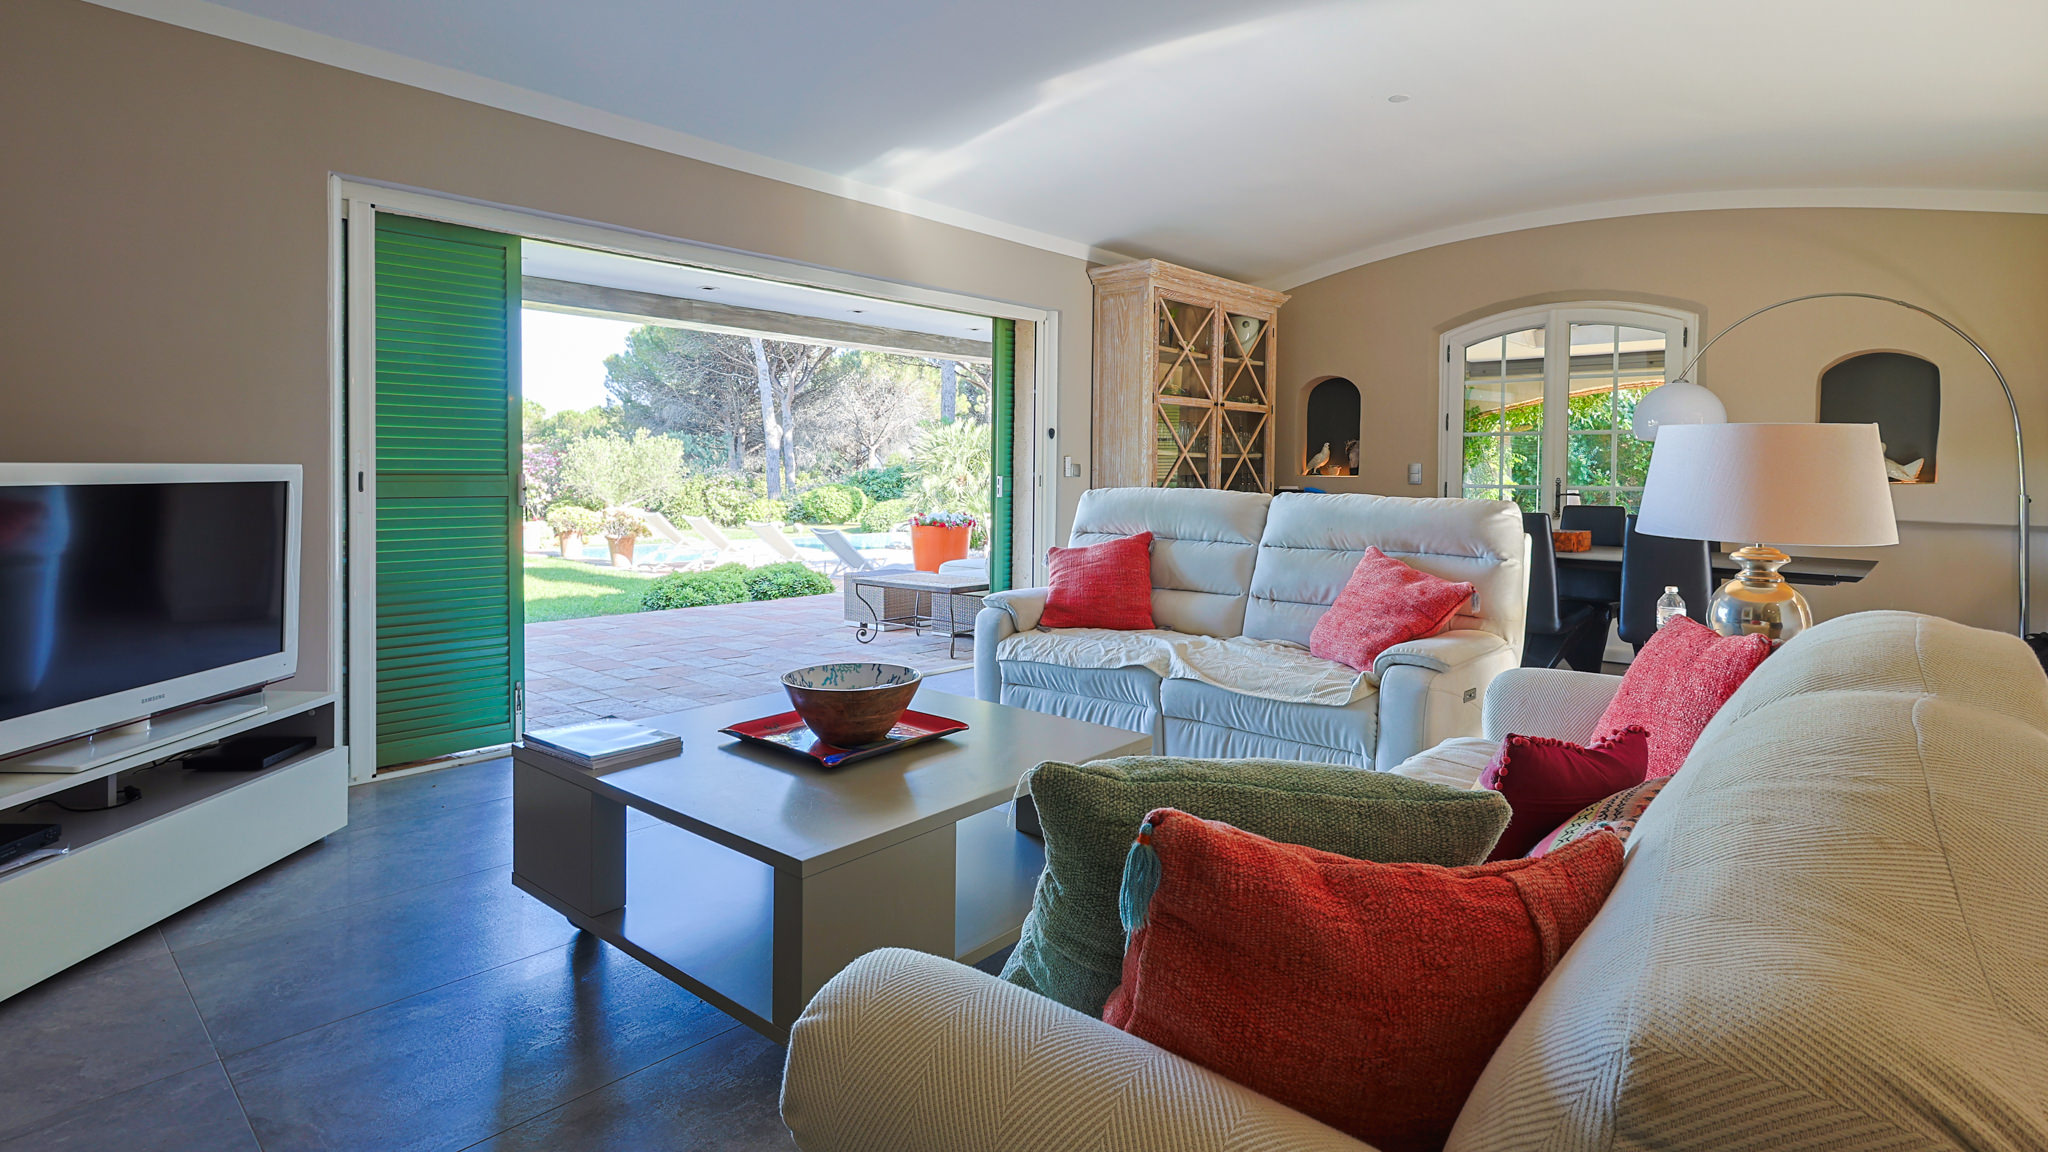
(1758, 600)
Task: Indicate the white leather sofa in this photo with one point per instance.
(1257, 572)
(1828, 935)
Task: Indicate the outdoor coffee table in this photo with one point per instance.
(926, 589)
(763, 875)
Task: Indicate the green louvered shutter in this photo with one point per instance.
(1003, 385)
(449, 615)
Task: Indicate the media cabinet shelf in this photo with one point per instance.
(19, 788)
(189, 835)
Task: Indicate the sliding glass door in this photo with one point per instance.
(1537, 403)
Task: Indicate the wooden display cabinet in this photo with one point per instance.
(1184, 377)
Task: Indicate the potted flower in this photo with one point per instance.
(936, 537)
(622, 527)
(570, 522)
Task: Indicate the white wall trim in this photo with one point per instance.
(1929, 199)
(277, 36)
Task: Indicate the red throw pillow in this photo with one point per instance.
(1548, 781)
(1384, 603)
(1106, 585)
(1678, 681)
(1369, 996)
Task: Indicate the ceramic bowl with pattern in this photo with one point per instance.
(854, 703)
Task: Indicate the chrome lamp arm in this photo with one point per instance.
(2018, 439)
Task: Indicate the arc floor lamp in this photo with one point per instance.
(1688, 403)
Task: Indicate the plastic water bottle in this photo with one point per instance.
(1670, 605)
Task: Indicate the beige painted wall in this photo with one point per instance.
(1379, 326)
(163, 220)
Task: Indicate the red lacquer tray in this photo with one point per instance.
(788, 730)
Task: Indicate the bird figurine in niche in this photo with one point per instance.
(1319, 459)
(1351, 450)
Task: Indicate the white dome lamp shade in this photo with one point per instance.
(1679, 402)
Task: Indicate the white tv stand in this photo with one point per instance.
(189, 835)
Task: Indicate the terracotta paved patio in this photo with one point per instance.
(649, 663)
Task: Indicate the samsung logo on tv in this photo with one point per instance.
(151, 699)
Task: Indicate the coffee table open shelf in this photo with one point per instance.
(764, 874)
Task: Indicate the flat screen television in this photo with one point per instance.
(130, 590)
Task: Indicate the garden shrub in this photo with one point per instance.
(723, 499)
(573, 519)
(789, 578)
(725, 584)
(891, 483)
(831, 504)
(766, 510)
(885, 516)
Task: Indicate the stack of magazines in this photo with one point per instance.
(602, 745)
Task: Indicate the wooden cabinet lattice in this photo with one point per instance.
(1184, 366)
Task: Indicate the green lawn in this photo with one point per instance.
(558, 589)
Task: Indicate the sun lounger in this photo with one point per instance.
(702, 526)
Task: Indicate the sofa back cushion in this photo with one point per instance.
(1313, 542)
(1830, 930)
(1204, 544)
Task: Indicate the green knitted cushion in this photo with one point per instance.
(1072, 948)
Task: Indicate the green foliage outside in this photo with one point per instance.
(886, 516)
(731, 584)
(890, 483)
(783, 580)
(569, 590)
(951, 466)
(639, 471)
(724, 499)
(831, 504)
(1593, 459)
(766, 511)
(725, 584)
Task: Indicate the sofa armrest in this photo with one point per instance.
(1430, 690)
(905, 1052)
(1554, 702)
(992, 626)
(1023, 605)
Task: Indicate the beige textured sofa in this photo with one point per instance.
(1832, 932)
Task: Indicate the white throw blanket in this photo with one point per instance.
(1269, 669)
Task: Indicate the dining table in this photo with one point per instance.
(1821, 571)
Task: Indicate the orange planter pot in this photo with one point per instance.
(933, 544)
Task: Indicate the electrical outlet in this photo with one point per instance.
(1415, 473)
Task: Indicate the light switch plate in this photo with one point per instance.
(1071, 466)
(1415, 473)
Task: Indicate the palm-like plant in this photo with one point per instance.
(952, 465)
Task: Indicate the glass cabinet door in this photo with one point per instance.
(1187, 360)
(1182, 438)
(1244, 360)
(1241, 449)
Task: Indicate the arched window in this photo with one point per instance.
(1536, 402)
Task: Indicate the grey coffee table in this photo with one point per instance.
(763, 875)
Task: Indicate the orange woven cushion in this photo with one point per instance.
(1369, 996)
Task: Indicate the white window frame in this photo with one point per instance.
(1556, 320)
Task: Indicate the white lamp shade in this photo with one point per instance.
(1820, 485)
(1679, 402)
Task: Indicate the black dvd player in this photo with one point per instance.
(20, 839)
(249, 753)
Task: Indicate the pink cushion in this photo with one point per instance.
(1678, 681)
(1547, 780)
(1383, 604)
(1106, 585)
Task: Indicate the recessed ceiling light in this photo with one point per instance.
(1398, 98)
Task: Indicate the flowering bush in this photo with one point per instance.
(573, 520)
(621, 523)
(941, 520)
(543, 467)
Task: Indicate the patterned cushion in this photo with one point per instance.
(1678, 681)
(1618, 814)
(1547, 780)
(1106, 585)
(1383, 604)
(1366, 995)
(1072, 947)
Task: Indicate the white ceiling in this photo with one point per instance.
(1256, 139)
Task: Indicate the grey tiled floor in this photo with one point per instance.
(386, 989)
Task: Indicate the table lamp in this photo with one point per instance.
(1819, 485)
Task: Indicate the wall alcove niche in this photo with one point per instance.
(1330, 418)
(1898, 392)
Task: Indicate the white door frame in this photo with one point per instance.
(352, 374)
(1556, 321)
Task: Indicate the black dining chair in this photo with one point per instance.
(1549, 632)
(1583, 588)
(1650, 564)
